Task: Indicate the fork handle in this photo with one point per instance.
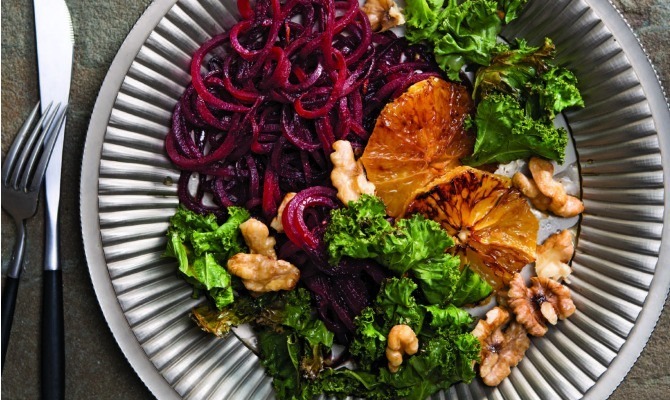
(9, 292)
(53, 346)
(11, 288)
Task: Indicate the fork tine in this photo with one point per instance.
(18, 142)
(53, 131)
(28, 148)
(39, 148)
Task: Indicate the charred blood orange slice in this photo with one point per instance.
(418, 137)
(491, 222)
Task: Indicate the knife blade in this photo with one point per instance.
(55, 48)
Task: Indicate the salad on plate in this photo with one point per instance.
(359, 183)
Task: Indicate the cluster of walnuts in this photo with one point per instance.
(529, 309)
(526, 310)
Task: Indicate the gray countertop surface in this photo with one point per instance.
(95, 366)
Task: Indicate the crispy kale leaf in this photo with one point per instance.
(460, 32)
(448, 317)
(505, 133)
(369, 343)
(413, 241)
(218, 322)
(527, 73)
(511, 70)
(414, 246)
(202, 247)
(443, 360)
(356, 230)
(519, 95)
(470, 288)
(397, 304)
(292, 343)
(447, 348)
(446, 355)
(280, 353)
(344, 382)
(297, 314)
(556, 91)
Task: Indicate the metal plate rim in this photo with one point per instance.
(90, 223)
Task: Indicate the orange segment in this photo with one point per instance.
(492, 223)
(418, 137)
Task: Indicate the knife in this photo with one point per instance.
(55, 45)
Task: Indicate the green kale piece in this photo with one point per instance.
(513, 69)
(526, 72)
(447, 348)
(218, 322)
(519, 95)
(226, 239)
(415, 246)
(369, 342)
(344, 382)
(292, 343)
(505, 133)
(449, 317)
(202, 247)
(279, 353)
(443, 360)
(413, 241)
(356, 230)
(438, 278)
(297, 314)
(460, 32)
(396, 302)
(470, 288)
(556, 91)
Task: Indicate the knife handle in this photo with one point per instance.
(53, 346)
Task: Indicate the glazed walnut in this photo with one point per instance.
(501, 350)
(260, 273)
(348, 176)
(276, 221)
(495, 319)
(529, 189)
(553, 256)
(401, 340)
(561, 203)
(257, 236)
(383, 14)
(544, 301)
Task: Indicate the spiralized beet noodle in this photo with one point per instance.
(268, 99)
(282, 85)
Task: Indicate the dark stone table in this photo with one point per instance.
(95, 367)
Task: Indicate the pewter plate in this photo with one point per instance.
(622, 262)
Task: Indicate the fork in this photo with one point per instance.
(22, 177)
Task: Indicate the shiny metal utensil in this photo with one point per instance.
(55, 44)
(22, 176)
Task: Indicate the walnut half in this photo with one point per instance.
(553, 256)
(501, 350)
(401, 340)
(257, 236)
(261, 273)
(383, 14)
(544, 301)
(560, 203)
(348, 175)
(276, 221)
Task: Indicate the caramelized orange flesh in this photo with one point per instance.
(491, 222)
(418, 137)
